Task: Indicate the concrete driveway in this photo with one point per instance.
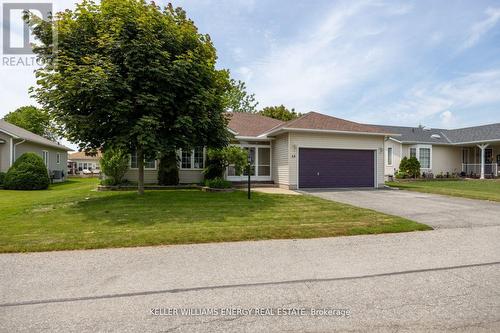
(438, 211)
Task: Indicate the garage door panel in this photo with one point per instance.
(336, 168)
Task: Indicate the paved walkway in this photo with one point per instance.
(438, 211)
(438, 280)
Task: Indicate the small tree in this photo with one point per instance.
(168, 171)
(219, 159)
(114, 164)
(236, 98)
(280, 113)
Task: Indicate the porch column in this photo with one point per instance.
(482, 147)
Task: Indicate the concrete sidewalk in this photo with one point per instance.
(436, 280)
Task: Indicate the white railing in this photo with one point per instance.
(475, 169)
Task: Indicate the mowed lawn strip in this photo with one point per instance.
(488, 189)
(75, 216)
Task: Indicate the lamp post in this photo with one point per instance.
(249, 160)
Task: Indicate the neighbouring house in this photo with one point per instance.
(314, 150)
(82, 163)
(471, 151)
(15, 141)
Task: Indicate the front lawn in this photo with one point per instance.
(75, 216)
(474, 189)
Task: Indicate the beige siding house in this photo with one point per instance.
(15, 141)
(320, 151)
(312, 151)
(470, 152)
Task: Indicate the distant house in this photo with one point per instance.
(81, 163)
(15, 141)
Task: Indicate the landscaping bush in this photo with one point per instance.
(2, 178)
(219, 159)
(168, 171)
(27, 173)
(401, 175)
(218, 183)
(114, 164)
(410, 167)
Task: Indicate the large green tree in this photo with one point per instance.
(33, 119)
(280, 112)
(129, 74)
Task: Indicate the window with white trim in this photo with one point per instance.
(149, 164)
(58, 158)
(193, 159)
(425, 158)
(45, 156)
(389, 155)
(413, 152)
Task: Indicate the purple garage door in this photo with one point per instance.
(336, 168)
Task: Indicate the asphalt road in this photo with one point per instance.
(438, 280)
(438, 211)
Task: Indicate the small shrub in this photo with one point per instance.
(27, 173)
(2, 178)
(114, 164)
(401, 175)
(219, 159)
(218, 183)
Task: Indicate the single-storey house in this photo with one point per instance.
(471, 151)
(80, 162)
(321, 151)
(15, 141)
(314, 150)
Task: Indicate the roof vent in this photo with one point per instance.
(436, 136)
(425, 128)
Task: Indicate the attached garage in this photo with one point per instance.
(336, 168)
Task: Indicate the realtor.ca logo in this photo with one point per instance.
(16, 33)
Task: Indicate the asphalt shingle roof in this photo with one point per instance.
(29, 136)
(454, 136)
(251, 124)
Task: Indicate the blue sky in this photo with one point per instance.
(435, 63)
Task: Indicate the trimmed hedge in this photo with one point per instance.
(218, 183)
(2, 178)
(27, 173)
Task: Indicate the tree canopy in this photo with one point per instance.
(280, 112)
(33, 119)
(129, 74)
(238, 100)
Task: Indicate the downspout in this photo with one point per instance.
(14, 150)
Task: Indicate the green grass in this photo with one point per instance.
(75, 216)
(474, 189)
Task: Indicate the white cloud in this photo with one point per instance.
(481, 28)
(324, 59)
(426, 100)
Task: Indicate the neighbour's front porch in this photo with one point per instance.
(481, 160)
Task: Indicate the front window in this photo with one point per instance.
(389, 156)
(488, 156)
(425, 158)
(193, 159)
(413, 152)
(465, 156)
(58, 158)
(149, 163)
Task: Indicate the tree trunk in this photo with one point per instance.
(140, 167)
